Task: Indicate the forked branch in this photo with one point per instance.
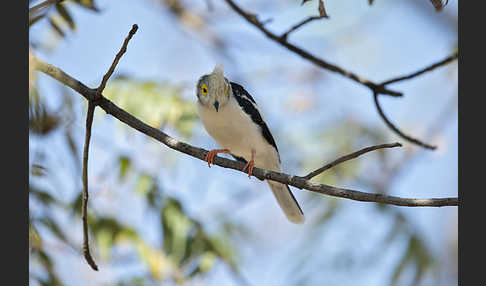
(376, 89)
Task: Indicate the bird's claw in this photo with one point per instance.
(210, 158)
(211, 154)
(249, 166)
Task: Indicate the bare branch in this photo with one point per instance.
(84, 211)
(253, 19)
(396, 130)
(93, 96)
(426, 69)
(349, 157)
(377, 89)
(292, 180)
(117, 58)
(298, 25)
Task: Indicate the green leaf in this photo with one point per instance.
(157, 104)
(53, 227)
(125, 165)
(404, 261)
(207, 261)
(38, 170)
(89, 4)
(145, 184)
(41, 121)
(35, 19)
(56, 27)
(65, 15)
(108, 231)
(35, 241)
(42, 196)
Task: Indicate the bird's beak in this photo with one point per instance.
(216, 105)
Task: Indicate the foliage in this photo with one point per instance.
(157, 104)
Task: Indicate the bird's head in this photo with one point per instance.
(213, 90)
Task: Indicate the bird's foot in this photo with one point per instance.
(249, 166)
(211, 154)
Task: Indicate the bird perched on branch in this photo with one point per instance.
(231, 116)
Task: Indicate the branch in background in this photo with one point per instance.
(253, 19)
(349, 157)
(292, 180)
(117, 58)
(298, 25)
(322, 14)
(396, 130)
(84, 207)
(93, 96)
(426, 69)
(443, 62)
(377, 89)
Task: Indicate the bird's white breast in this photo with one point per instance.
(233, 129)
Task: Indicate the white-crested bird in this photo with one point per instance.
(232, 118)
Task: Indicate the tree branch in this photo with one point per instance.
(93, 96)
(292, 180)
(84, 207)
(349, 157)
(377, 89)
(426, 69)
(298, 25)
(253, 19)
(396, 130)
(117, 58)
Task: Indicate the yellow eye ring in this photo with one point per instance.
(204, 89)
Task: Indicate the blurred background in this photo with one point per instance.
(160, 217)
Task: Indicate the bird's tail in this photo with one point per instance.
(287, 202)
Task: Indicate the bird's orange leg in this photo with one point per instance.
(250, 164)
(211, 154)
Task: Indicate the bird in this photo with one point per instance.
(232, 118)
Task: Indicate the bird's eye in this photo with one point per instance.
(204, 89)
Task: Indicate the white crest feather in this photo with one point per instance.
(218, 70)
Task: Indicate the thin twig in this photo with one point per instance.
(253, 19)
(298, 25)
(89, 121)
(396, 130)
(199, 153)
(84, 212)
(117, 58)
(426, 69)
(349, 157)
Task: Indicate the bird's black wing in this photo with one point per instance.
(248, 104)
